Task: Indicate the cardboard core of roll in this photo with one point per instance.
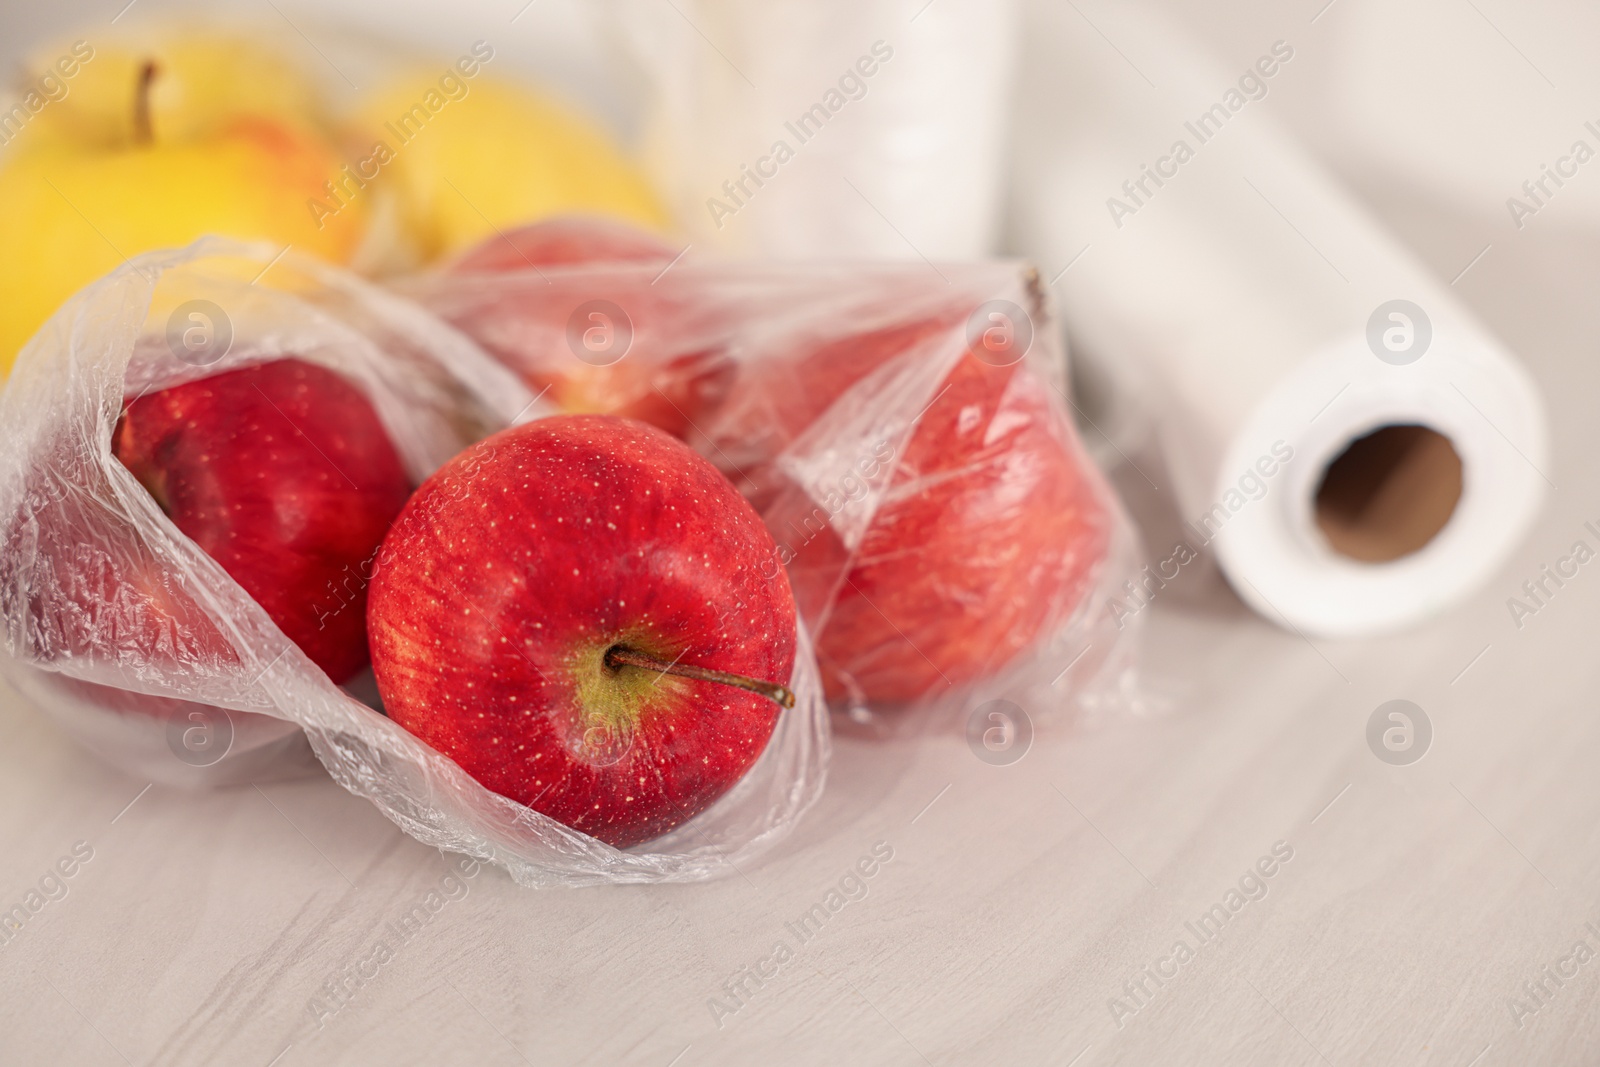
(1388, 493)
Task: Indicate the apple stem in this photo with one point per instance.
(618, 656)
(142, 133)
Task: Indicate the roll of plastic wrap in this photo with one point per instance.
(806, 128)
(1357, 449)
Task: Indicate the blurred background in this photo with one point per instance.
(1437, 102)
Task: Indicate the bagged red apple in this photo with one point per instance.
(904, 431)
(237, 477)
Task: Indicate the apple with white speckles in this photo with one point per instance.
(582, 613)
(283, 474)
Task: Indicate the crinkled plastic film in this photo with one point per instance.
(949, 540)
(139, 644)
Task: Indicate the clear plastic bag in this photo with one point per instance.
(141, 645)
(903, 430)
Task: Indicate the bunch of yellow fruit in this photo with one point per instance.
(118, 149)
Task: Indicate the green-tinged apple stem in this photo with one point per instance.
(618, 656)
(142, 133)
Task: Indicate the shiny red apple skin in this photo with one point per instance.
(990, 531)
(674, 374)
(989, 535)
(283, 474)
(521, 561)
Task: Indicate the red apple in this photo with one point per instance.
(282, 473)
(615, 342)
(778, 398)
(584, 615)
(987, 536)
(791, 392)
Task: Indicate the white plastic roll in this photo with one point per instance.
(1231, 287)
(829, 128)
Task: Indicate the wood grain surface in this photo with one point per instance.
(1410, 916)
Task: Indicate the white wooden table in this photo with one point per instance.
(1019, 904)
(1022, 904)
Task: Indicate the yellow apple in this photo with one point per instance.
(203, 81)
(75, 214)
(471, 155)
(155, 142)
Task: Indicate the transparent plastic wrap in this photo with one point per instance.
(140, 644)
(904, 431)
(810, 122)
